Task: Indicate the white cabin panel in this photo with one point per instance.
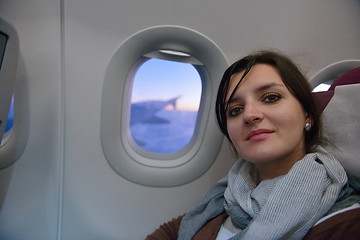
(30, 206)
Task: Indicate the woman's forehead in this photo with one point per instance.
(261, 76)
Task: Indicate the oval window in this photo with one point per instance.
(165, 100)
(158, 127)
(322, 87)
(9, 123)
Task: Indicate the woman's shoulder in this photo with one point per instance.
(345, 225)
(167, 231)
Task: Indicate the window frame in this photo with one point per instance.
(12, 86)
(154, 169)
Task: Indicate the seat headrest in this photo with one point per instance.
(341, 113)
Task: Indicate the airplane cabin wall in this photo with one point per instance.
(62, 187)
(29, 208)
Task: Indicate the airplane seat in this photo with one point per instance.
(341, 113)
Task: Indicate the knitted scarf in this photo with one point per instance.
(285, 207)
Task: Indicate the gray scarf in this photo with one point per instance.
(285, 207)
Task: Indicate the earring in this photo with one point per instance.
(307, 127)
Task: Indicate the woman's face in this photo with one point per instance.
(265, 121)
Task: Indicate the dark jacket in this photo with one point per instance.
(344, 225)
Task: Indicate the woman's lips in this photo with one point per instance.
(258, 134)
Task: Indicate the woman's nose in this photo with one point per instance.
(252, 114)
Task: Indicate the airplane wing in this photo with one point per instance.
(145, 112)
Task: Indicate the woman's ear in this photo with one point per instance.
(308, 122)
(308, 118)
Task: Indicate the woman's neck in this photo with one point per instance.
(279, 167)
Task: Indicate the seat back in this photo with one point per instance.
(341, 112)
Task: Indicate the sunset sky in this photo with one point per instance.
(162, 80)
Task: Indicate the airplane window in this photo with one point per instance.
(3, 39)
(13, 137)
(321, 87)
(164, 105)
(10, 121)
(158, 124)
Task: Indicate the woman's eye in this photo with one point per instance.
(271, 97)
(235, 111)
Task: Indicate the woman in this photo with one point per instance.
(284, 183)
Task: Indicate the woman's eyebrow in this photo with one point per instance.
(258, 89)
(269, 85)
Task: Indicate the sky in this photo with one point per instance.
(160, 79)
